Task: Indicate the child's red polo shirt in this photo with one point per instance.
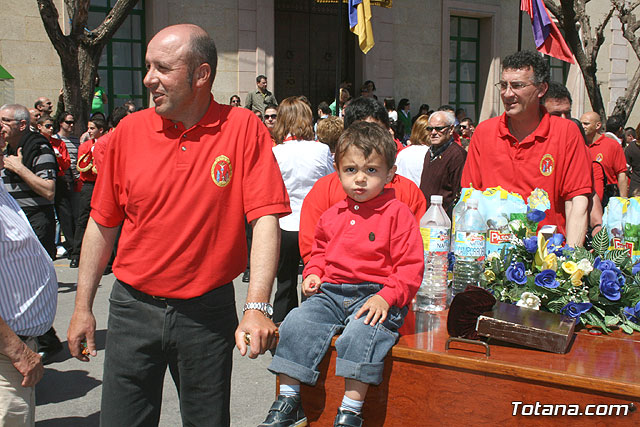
(610, 155)
(62, 155)
(554, 157)
(376, 241)
(328, 191)
(181, 197)
(86, 161)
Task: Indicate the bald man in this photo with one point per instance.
(608, 153)
(206, 167)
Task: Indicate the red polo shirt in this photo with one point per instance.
(610, 155)
(328, 191)
(181, 196)
(376, 241)
(554, 158)
(86, 160)
(62, 155)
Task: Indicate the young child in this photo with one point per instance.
(366, 266)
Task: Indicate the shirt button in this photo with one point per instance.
(356, 207)
(184, 148)
(352, 222)
(184, 135)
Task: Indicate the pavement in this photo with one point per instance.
(69, 393)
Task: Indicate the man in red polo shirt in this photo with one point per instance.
(180, 179)
(607, 152)
(527, 148)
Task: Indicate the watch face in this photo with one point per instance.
(269, 309)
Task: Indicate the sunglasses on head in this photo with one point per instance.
(270, 116)
(438, 129)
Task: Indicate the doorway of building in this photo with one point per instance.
(306, 49)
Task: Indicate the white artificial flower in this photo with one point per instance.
(516, 225)
(492, 256)
(585, 266)
(529, 300)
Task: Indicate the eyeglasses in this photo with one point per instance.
(270, 116)
(515, 86)
(48, 125)
(69, 122)
(438, 129)
(464, 127)
(235, 101)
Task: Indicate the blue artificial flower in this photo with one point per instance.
(609, 285)
(556, 244)
(515, 273)
(535, 215)
(606, 264)
(633, 313)
(547, 279)
(451, 258)
(635, 269)
(575, 309)
(531, 244)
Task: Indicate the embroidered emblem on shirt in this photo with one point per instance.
(221, 171)
(599, 157)
(546, 165)
(372, 236)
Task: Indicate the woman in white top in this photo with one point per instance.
(302, 162)
(390, 105)
(411, 160)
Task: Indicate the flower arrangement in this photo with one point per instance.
(599, 287)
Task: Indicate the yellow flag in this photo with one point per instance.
(363, 28)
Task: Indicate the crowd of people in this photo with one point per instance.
(262, 190)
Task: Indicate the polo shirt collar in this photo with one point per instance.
(375, 204)
(598, 141)
(211, 118)
(540, 134)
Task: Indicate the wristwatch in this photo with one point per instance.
(264, 307)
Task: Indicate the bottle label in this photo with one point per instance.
(496, 240)
(435, 239)
(469, 243)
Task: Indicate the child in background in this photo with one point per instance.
(329, 130)
(365, 268)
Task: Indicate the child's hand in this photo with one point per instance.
(378, 309)
(310, 285)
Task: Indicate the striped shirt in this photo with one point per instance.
(39, 158)
(28, 284)
(72, 143)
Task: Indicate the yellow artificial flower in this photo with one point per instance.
(550, 262)
(570, 267)
(541, 254)
(490, 275)
(576, 277)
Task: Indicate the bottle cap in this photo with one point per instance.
(436, 198)
(472, 203)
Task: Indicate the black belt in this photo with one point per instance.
(24, 338)
(142, 296)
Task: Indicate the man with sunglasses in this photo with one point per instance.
(444, 161)
(527, 148)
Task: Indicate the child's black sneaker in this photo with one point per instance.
(286, 411)
(347, 419)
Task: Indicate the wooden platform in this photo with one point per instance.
(424, 384)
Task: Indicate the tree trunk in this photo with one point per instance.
(80, 51)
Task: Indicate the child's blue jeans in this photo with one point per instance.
(306, 333)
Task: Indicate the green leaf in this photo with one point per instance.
(600, 311)
(594, 320)
(594, 293)
(600, 241)
(617, 256)
(633, 325)
(626, 328)
(582, 253)
(611, 320)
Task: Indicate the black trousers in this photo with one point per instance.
(43, 222)
(286, 298)
(64, 210)
(83, 217)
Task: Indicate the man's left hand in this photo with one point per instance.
(261, 329)
(29, 364)
(14, 163)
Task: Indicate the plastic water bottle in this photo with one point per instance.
(435, 228)
(469, 248)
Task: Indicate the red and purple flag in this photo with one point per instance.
(547, 36)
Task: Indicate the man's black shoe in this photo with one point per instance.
(245, 276)
(347, 419)
(48, 346)
(286, 411)
(74, 263)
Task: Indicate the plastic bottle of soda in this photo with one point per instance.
(469, 248)
(435, 228)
